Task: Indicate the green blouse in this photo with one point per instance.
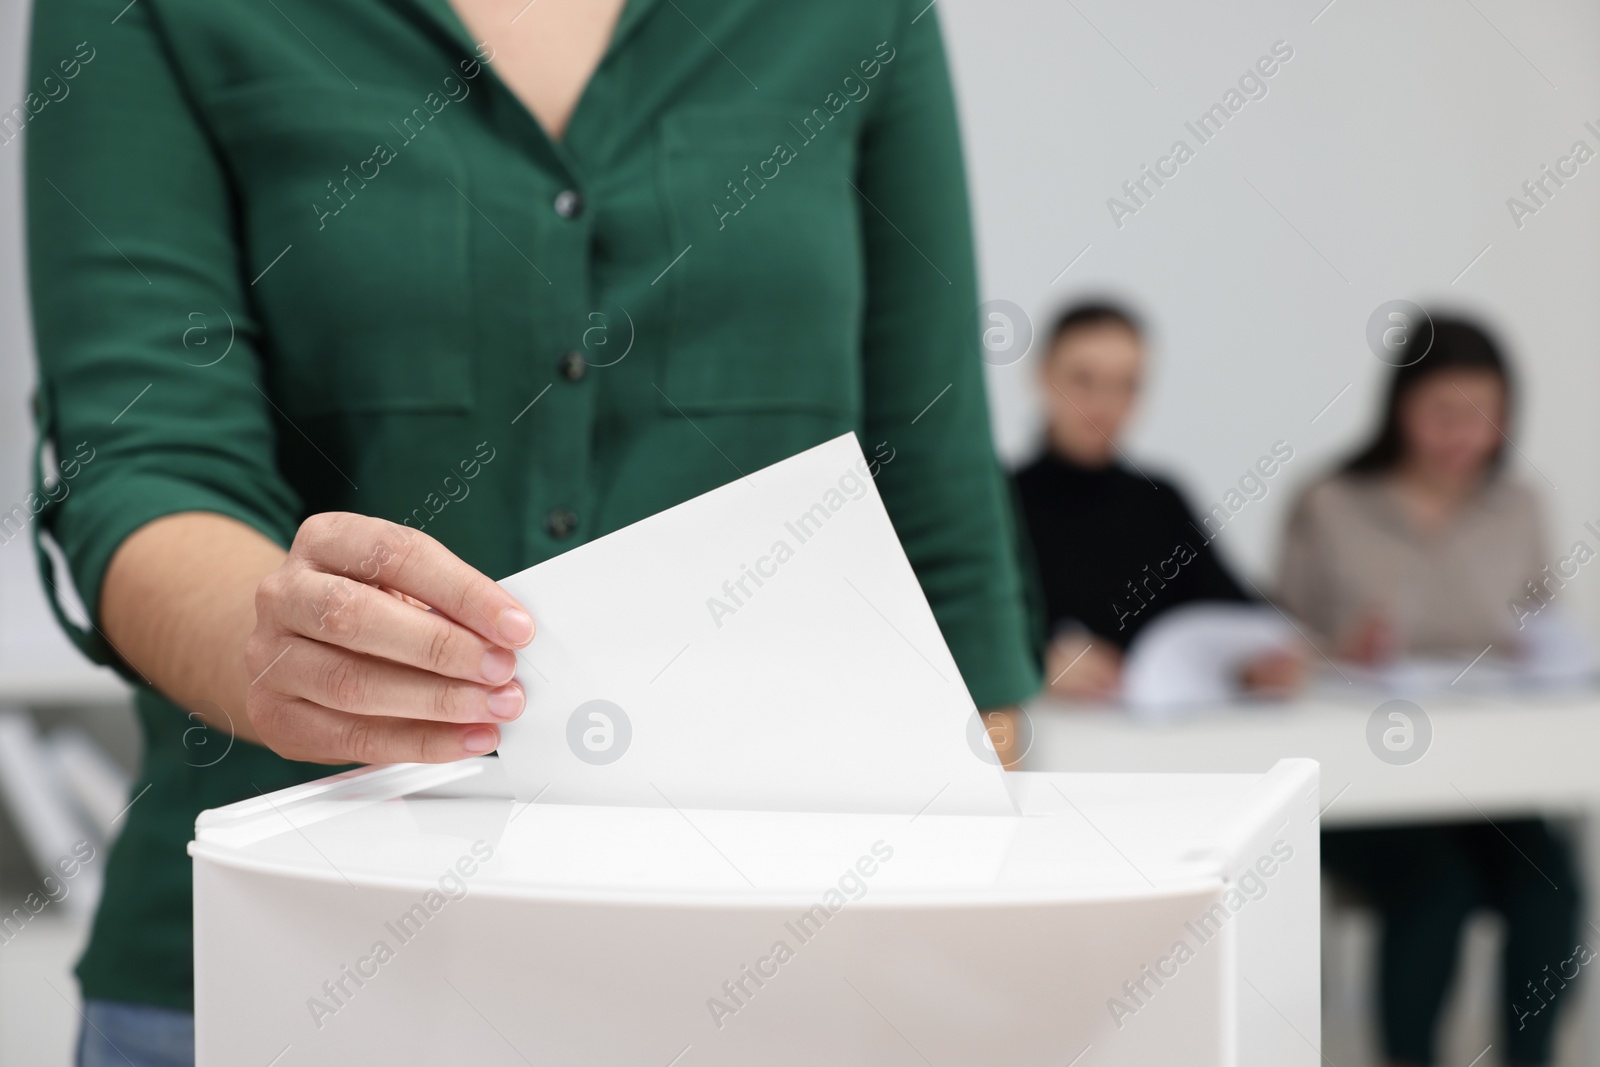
(304, 255)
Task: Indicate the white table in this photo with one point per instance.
(1491, 756)
(1495, 755)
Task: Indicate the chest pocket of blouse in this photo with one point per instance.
(766, 306)
(367, 308)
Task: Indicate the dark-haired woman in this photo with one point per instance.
(1415, 548)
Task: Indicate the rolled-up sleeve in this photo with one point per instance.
(924, 388)
(151, 396)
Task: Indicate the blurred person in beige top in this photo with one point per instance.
(1422, 545)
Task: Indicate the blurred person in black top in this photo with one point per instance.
(1113, 546)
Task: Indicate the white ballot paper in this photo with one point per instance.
(1191, 657)
(764, 646)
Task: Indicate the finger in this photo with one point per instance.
(338, 611)
(345, 681)
(408, 561)
(301, 730)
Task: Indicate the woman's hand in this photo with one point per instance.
(1080, 665)
(1000, 728)
(348, 664)
(1373, 641)
(1278, 673)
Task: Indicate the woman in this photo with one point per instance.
(362, 304)
(1417, 547)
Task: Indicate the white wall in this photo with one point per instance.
(16, 346)
(1387, 147)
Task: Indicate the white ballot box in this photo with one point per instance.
(422, 915)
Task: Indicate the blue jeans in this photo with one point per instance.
(115, 1035)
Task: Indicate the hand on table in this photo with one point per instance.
(1372, 641)
(1277, 673)
(1082, 665)
(349, 665)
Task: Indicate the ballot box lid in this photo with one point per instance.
(1075, 837)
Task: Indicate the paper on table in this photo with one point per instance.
(762, 646)
(1192, 655)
